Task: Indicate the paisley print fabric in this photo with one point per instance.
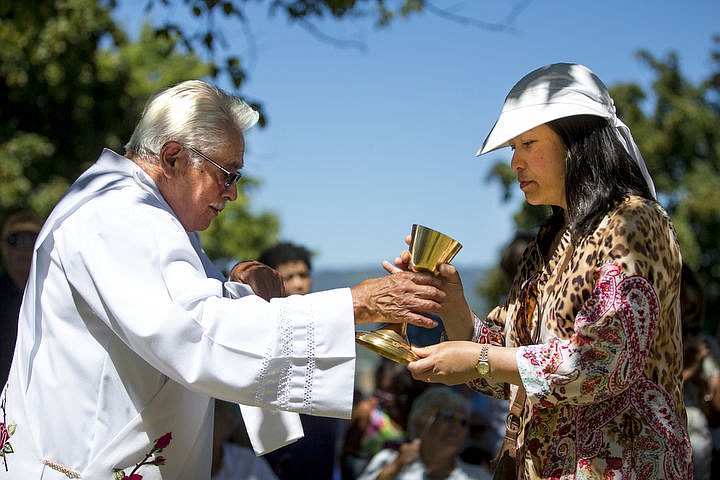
(604, 382)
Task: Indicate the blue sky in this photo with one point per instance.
(363, 142)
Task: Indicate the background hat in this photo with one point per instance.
(556, 91)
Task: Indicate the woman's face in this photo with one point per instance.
(539, 163)
(445, 432)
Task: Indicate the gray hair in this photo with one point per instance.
(432, 400)
(192, 112)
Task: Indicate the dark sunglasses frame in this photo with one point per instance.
(446, 415)
(230, 177)
(21, 239)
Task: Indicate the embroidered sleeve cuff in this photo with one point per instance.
(531, 360)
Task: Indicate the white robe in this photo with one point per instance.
(126, 333)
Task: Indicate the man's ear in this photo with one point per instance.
(170, 163)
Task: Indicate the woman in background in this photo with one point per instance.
(437, 428)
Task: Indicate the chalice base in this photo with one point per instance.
(387, 343)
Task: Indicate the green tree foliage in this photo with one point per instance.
(56, 109)
(679, 135)
(70, 84)
(677, 127)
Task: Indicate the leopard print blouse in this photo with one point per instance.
(604, 379)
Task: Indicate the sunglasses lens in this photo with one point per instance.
(23, 240)
(232, 178)
(448, 415)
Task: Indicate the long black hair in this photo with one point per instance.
(599, 173)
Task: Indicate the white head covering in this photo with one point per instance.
(556, 91)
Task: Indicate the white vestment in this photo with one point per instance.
(127, 332)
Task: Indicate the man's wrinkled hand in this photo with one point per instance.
(399, 297)
(266, 282)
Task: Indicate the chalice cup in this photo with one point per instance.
(428, 250)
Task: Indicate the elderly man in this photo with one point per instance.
(127, 330)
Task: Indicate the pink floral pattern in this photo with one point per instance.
(6, 431)
(604, 394)
(631, 425)
(151, 458)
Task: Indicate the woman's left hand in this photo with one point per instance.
(457, 316)
(401, 263)
(451, 363)
(455, 312)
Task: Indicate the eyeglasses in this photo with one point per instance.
(447, 415)
(21, 239)
(230, 177)
(527, 304)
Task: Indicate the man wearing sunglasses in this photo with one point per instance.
(18, 237)
(127, 330)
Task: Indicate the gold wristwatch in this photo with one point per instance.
(483, 365)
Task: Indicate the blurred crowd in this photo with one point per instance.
(400, 428)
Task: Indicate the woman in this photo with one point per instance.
(379, 420)
(588, 345)
(437, 428)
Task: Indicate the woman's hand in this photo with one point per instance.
(458, 318)
(407, 454)
(401, 263)
(451, 363)
(455, 312)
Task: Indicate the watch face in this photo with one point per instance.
(483, 368)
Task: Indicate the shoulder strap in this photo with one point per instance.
(505, 460)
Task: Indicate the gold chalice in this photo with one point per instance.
(428, 250)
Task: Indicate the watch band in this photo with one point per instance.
(483, 364)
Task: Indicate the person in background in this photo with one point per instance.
(294, 265)
(313, 456)
(380, 420)
(232, 460)
(588, 345)
(128, 332)
(18, 238)
(233, 456)
(701, 375)
(437, 427)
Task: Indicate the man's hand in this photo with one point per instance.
(400, 297)
(455, 312)
(266, 282)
